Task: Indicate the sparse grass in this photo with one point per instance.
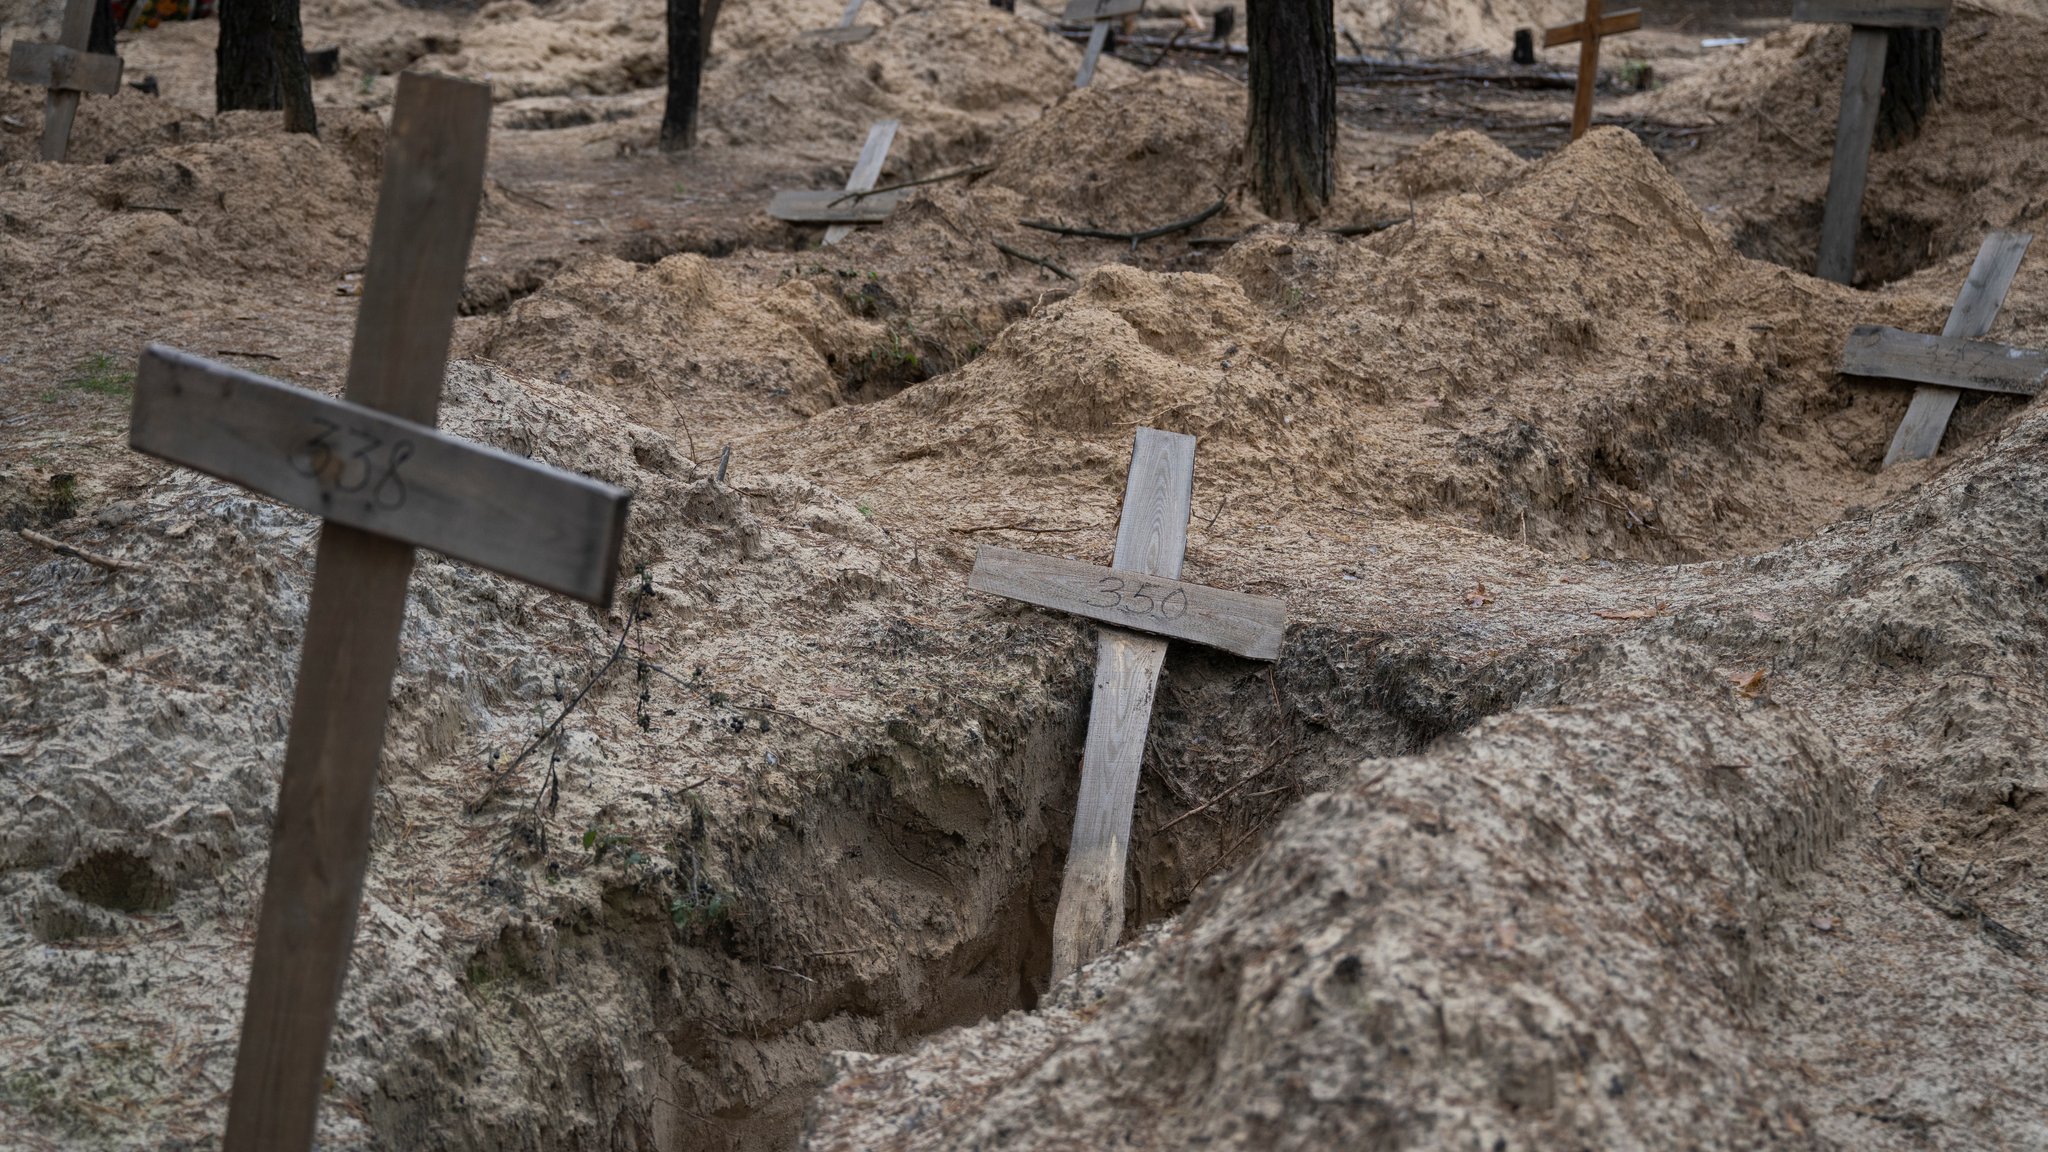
(101, 375)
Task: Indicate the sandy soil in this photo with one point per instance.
(1645, 768)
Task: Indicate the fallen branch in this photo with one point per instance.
(1368, 228)
(92, 558)
(976, 170)
(1133, 237)
(1028, 258)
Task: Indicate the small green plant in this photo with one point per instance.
(699, 910)
(367, 84)
(600, 843)
(1636, 75)
(867, 511)
(102, 375)
(61, 502)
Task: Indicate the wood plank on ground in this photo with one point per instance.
(1089, 11)
(1948, 361)
(866, 170)
(1232, 621)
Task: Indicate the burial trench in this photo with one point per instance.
(1423, 697)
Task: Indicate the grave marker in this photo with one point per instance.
(1099, 13)
(384, 480)
(67, 70)
(1587, 34)
(844, 32)
(843, 210)
(1140, 591)
(1862, 84)
(1954, 360)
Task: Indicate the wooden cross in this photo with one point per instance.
(844, 32)
(1099, 13)
(1587, 34)
(855, 205)
(1954, 360)
(66, 69)
(1139, 591)
(1861, 87)
(384, 480)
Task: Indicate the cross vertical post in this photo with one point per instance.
(1587, 34)
(1862, 87)
(67, 70)
(1141, 590)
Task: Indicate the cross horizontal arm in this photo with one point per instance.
(1233, 621)
(360, 467)
(1087, 11)
(1873, 13)
(1613, 24)
(824, 206)
(1950, 361)
(65, 69)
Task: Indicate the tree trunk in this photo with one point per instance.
(1291, 126)
(1912, 81)
(101, 39)
(260, 62)
(685, 70)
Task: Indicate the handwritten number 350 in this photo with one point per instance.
(1111, 592)
(353, 467)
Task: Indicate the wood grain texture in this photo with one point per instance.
(1233, 621)
(866, 171)
(1096, 39)
(1089, 11)
(836, 35)
(1151, 539)
(60, 105)
(1612, 24)
(824, 206)
(1589, 73)
(55, 66)
(433, 177)
(354, 465)
(1842, 213)
(1976, 308)
(1948, 361)
(1873, 13)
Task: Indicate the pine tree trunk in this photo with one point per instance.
(101, 39)
(1912, 81)
(685, 71)
(1291, 126)
(260, 62)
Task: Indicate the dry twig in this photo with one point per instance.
(92, 558)
(1028, 258)
(1133, 237)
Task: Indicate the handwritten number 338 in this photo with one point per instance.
(1110, 592)
(353, 467)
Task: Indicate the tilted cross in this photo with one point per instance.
(1587, 34)
(1868, 21)
(844, 32)
(1099, 13)
(1139, 591)
(384, 480)
(855, 205)
(1955, 359)
(66, 69)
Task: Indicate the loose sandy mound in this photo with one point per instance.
(1432, 27)
(1980, 161)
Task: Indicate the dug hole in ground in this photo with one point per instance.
(1645, 767)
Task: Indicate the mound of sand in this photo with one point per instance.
(1977, 164)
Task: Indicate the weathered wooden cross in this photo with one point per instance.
(374, 467)
(66, 69)
(1139, 591)
(1587, 34)
(1955, 359)
(857, 204)
(1099, 13)
(1868, 21)
(844, 32)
